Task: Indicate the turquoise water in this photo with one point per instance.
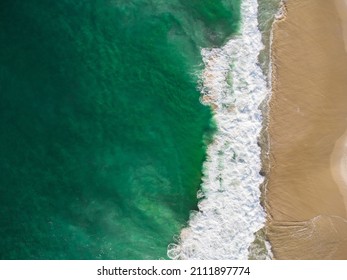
(102, 133)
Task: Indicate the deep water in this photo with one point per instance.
(102, 134)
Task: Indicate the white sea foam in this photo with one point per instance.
(230, 211)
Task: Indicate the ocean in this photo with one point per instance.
(103, 132)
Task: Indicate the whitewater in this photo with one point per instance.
(229, 206)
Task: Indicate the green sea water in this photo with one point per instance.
(102, 135)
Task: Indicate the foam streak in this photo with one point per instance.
(230, 211)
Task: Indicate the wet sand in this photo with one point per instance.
(338, 160)
(338, 164)
(308, 115)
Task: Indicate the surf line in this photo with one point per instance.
(229, 208)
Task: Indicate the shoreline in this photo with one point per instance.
(306, 213)
(264, 137)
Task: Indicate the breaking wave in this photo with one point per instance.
(229, 209)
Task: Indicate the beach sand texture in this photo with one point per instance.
(308, 114)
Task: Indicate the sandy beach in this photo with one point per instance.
(305, 194)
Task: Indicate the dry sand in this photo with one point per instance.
(308, 114)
